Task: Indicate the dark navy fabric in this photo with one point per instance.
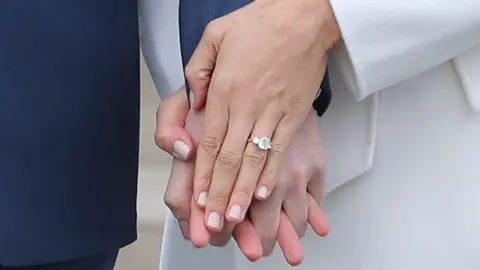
(69, 127)
(194, 17)
(99, 262)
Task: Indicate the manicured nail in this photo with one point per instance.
(192, 97)
(202, 198)
(213, 220)
(181, 149)
(235, 212)
(262, 192)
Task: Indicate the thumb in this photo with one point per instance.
(170, 133)
(199, 69)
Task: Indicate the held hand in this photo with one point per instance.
(297, 195)
(179, 190)
(261, 67)
(171, 136)
(284, 216)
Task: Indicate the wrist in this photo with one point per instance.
(332, 29)
(326, 25)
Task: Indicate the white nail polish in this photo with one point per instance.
(235, 212)
(181, 149)
(262, 192)
(213, 220)
(202, 198)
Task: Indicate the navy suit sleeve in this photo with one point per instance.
(323, 101)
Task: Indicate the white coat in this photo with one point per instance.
(402, 138)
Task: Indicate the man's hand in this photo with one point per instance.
(172, 136)
(261, 67)
(267, 221)
(299, 189)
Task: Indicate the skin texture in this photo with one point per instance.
(269, 94)
(282, 218)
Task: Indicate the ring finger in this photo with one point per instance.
(253, 161)
(282, 137)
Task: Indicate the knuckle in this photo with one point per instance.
(255, 156)
(279, 149)
(229, 160)
(217, 199)
(160, 140)
(217, 202)
(212, 29)
(297, 173)
(190, 72)
(202, 182)
(226, 82)
(269, 178)
(211, 144)
(242, 195)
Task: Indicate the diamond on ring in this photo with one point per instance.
(263, 143)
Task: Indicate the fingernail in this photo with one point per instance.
(262, 192)
(192, 97)
(213, 220)
(235, 212)
(202, 198)
(181, 149)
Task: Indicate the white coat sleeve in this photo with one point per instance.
(160, 43)
(388, 41)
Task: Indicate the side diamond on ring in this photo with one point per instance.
(263, 143)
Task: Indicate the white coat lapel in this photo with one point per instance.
(349, 130)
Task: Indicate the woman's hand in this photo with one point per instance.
(261, 66)
(282, 218)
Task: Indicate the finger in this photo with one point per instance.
(295, 204)
(199, 234)
(276, 156)
(199, 69)
(184, 226)
(317, 218)
(251, 166)
(289, 242)
(296, 209)
(221, 238)
(248, 240)
(170, 134)
(265, 217)
(316, 186)
(215, 128)
(226, 171)
(179, 189)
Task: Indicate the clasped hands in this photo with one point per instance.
(257, 70)
(281, 218)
